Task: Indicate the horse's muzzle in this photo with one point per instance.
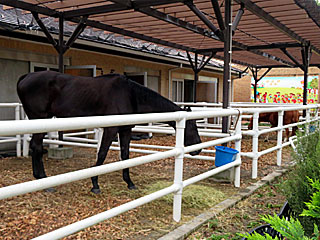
(195, 153)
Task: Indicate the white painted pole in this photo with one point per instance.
(279, 137)
(18, 145)
(90, 221)
(238, 158)
(99, 135)
(150, 133)
(255, 144)
(53, 135)
(43, 183)
(178, 169)
(308, 121)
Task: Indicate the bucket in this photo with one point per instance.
(224, 155)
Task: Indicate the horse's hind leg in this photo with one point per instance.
(125, 135)
(36, 146)
(107, 137)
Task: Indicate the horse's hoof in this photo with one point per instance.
(133, 187)
(50, 190)
(95, 190)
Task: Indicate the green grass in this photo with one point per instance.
(282, 91)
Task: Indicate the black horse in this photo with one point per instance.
(47, 94)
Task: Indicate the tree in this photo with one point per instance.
(314, 82)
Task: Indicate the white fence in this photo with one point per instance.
(256, 132)
(249, 110)
(17, 116)
(8, 128)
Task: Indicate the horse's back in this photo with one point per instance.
(47, 94)
(291, 116)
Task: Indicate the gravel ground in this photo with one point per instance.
(34, 214)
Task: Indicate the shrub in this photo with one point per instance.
(297, 188)
(292, 229)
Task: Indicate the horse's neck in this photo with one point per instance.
(149, 101)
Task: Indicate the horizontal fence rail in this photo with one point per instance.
(8, 128)
(202, 112)
(256, 132)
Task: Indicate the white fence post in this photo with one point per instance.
(99, 135)
(178, 169)
(17, 117)
(26, 144)
(279, 137)
(54, 136)
(238, 148)
(150, 133)
(255, 144)
(307, 121)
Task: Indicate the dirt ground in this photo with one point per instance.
(34, 214)
(244, 216)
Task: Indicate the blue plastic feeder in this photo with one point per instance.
(224, 155)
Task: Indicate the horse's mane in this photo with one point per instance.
(148, 96)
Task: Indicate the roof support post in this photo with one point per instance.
(306, 55)
(227, 61)
(61, 44)
(254, 72)
(61, 51)
(197, 67)
(196, 78)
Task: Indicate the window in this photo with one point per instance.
(37, 67)
(178, 90)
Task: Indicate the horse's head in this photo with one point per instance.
(191, 135)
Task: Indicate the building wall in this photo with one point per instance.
(27, 51)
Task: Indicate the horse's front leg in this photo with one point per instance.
(287, 135)
(107, 137)
(125, 135)
(36, 146)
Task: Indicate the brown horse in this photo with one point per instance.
(272, 117)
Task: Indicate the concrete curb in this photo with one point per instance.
(186, 229)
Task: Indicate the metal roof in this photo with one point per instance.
(270, 32)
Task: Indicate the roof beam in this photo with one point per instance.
(275, 46)
(217, 11)
(94, 10)
(30, 7)
(178, 22)
(45, 31)
(258, 11)
(241, 47)
(204, 19)
(132, 34)
(292, 58)
(256, 47)
(117, 6)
